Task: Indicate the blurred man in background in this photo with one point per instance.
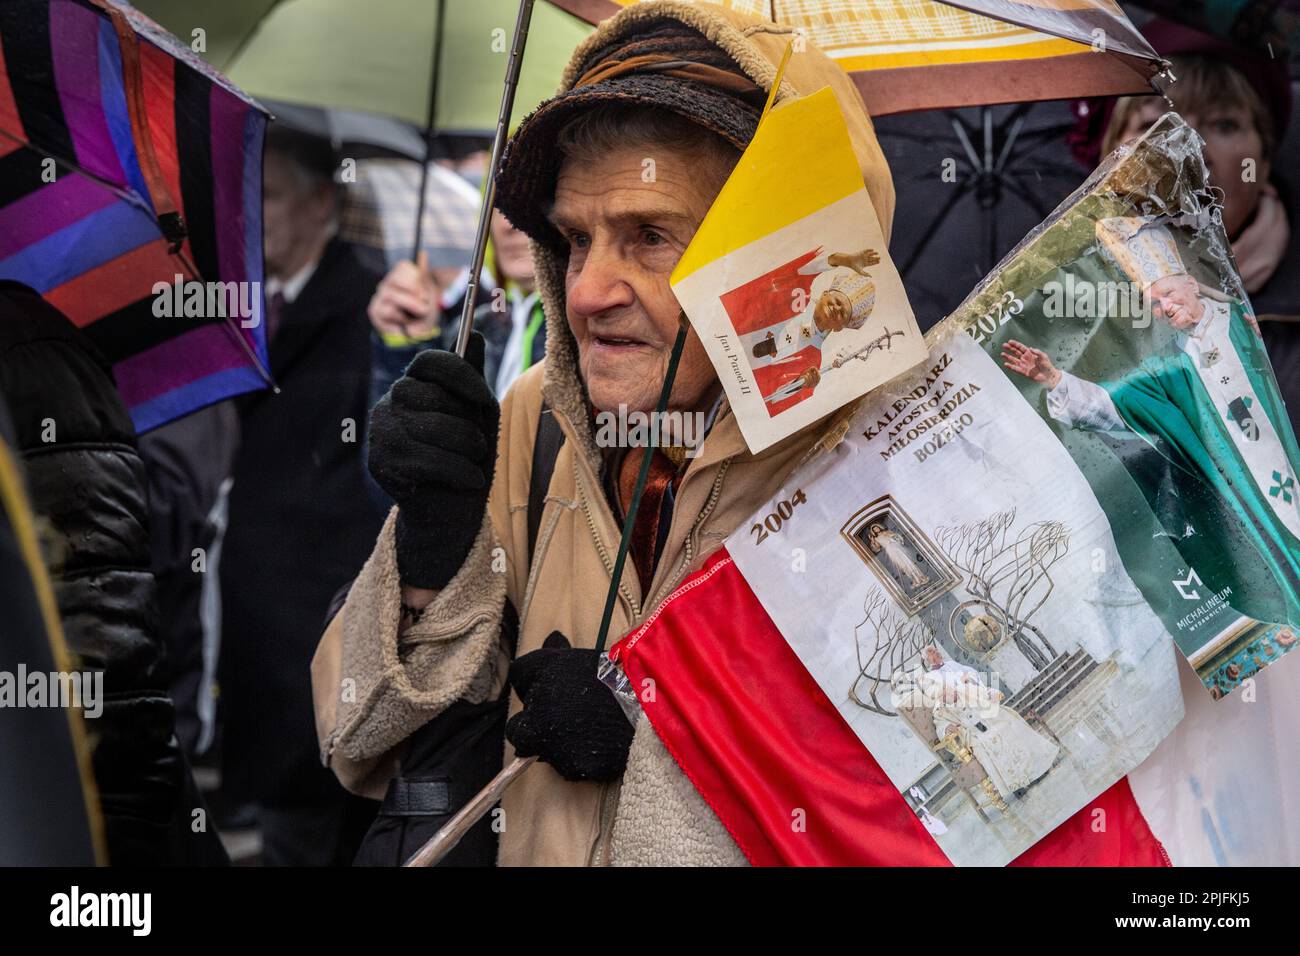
(300, 519)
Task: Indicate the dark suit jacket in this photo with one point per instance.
(301, 524)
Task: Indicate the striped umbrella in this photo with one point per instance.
(130, 197)
(909, 55)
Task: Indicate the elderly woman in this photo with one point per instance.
(427, 624)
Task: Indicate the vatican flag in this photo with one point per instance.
(788, 282)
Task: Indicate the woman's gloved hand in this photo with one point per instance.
(433, 446)
(570, 719)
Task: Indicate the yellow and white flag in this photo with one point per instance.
(788, 282)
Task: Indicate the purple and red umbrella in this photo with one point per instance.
(126, 162)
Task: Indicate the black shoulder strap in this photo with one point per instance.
(546, 447)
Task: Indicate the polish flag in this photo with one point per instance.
(782, 769)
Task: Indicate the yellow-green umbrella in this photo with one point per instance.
(378, 57)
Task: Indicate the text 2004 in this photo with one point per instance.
(774, 521)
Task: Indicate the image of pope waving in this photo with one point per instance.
(1209, 404)
(786, 356)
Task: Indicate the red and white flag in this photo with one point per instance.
(784, 772)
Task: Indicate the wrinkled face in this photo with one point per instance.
(625, 235)
(933, 658)
(833, 311)
(513, 256)
(296, 215)
(1177, 300)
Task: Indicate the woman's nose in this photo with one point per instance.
(600, 284)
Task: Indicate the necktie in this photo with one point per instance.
(274, 313)
(645, 530)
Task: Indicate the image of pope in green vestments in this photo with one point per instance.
(1209, 405)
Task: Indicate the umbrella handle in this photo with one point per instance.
(454, 830)
(490, 189)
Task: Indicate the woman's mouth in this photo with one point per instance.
(616, 343)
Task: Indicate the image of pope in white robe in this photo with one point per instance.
(1012, 753)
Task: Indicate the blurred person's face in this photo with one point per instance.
(1148, 110)
(513, 256)
(296, 216)
(1177, 300)
(473, 167)
(1230, 139)
(625, 236)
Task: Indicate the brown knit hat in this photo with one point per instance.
(668, 65)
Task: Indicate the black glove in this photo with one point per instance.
(433, 447)
(570, 719)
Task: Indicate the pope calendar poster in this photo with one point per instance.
(987, 644)
(969, 618)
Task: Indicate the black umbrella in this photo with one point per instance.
(970, 184)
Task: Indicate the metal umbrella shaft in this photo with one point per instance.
(490, 187)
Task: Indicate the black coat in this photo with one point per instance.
(301, 524)
(186, 461)
(87, 487)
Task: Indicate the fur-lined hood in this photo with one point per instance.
(757, 47)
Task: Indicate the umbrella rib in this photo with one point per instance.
(964, 139)
(1016, 122)
(262, 370)
(125, 194)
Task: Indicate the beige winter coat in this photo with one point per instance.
(374, 689)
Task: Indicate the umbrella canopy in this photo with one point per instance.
(377, 57)
(126, 162)
(379, 211)
(917, 55)
(1009, 168)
